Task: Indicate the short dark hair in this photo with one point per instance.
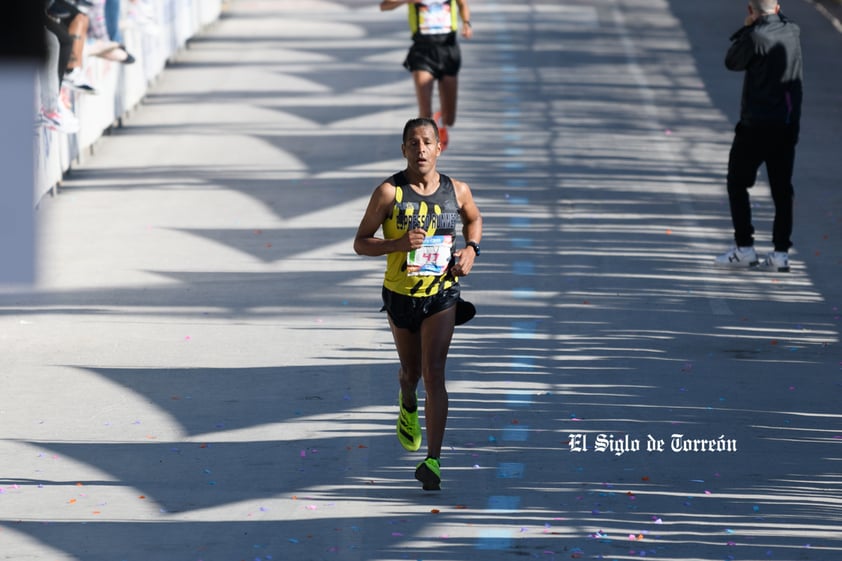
(413, 124)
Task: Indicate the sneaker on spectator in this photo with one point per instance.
(76, 80)
(68, 117)
(100, 47)
(738, 257)
(777, 261)
(83, 6)
(57, 121)
(42, 120)
(120, 54)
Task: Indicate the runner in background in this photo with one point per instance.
(435, 54)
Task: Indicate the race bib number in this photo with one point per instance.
(434, 18)
(432, 258)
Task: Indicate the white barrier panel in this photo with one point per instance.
(152, 41)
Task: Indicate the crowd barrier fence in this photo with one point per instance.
(120, 87)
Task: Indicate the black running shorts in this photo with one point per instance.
(437, 54)
(407, 312)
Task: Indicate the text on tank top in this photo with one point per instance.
(437, 214)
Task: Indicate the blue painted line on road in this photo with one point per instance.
(524, 268)
(510, 470)
(519, 433)
(511, 97)
(503, 503)
(520, 222)
(523, 362)
(523, 329)
(494, 539)
(523, 293)
(519, 399)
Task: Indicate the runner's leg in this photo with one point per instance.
(436, 334)
(424, 82)
(408, 345)
(448, 92)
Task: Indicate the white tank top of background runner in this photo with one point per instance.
(433, 17)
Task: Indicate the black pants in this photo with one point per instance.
(65, 42)
(754, 145)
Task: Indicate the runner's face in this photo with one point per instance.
(421, 149)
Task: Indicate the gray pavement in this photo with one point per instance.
(203, 373)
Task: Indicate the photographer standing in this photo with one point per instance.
(768, 49)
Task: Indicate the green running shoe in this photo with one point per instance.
(428, 473)
(408, 427)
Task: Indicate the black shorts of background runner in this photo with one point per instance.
(437, 54)
(407, 312)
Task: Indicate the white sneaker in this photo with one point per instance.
(70, 123)
(775, 261)
(77, 81)
(65, 122)
(738, 257)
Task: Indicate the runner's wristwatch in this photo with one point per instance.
(474, 245)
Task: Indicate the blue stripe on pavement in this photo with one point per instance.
(518, 433)
(523, 293)
(525, 268)
(503, 503)
(524, 329)
(510, 470)
(494, 539)
(519, 399)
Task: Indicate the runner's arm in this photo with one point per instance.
(465, 14)
(471, 227)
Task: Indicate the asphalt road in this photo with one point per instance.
(203, 373)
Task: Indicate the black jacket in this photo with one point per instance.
(769, 51)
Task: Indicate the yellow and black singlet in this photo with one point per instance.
(433, 17)
(438, 214)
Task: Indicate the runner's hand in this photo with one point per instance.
(464, 262)
(413, 239)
